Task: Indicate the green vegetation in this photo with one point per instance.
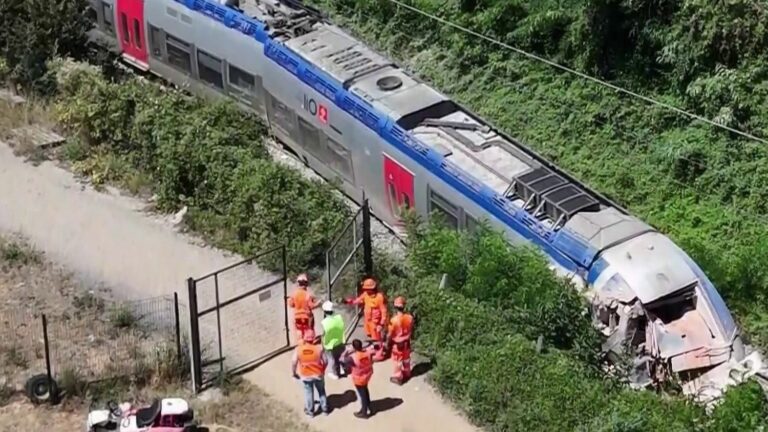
(209, 157)
(480, 333)
(705, 188)
(692, 182)
(32, 32)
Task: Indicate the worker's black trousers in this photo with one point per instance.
(365, 399)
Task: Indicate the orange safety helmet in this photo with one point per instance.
(369, 284)
(308, 336)
(400, 302)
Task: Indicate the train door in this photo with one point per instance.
(130, 24)
(398, 182)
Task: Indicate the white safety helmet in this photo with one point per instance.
(328, 306)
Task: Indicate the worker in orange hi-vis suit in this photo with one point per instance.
(302, 302)
(400, 331)
(374, 315)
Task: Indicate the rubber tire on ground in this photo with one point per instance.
(39, 391)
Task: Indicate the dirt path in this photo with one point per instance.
(107, 237)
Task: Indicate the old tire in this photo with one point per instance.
(39, 390)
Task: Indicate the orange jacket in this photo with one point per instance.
(302, 303)
(375, 307)
(310, 360)
(362, 367)
(401, 327)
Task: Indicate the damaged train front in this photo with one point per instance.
(661, 316)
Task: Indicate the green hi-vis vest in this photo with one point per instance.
(333, 331)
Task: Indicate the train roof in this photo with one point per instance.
(507, 168)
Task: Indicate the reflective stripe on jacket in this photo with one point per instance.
(333, 331)
(311, 363)
(401, 328)
(301, 302)
(362, 367)
(375, 307)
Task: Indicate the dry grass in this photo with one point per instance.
(245, 409)
(249, 408)
(12, 117)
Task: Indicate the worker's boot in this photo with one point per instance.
(362, 415)
(396, 380)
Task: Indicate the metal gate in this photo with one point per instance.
(238, 318)
(348, 260)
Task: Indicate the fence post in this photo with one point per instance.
(218, 322)
(194, 337)
(49, 373)
(285, 297)
(367, 247)
(178, 326)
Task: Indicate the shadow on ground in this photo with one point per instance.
(339, 401)
(421, 368)
(385, 404)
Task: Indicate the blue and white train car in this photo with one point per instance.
(353, 115)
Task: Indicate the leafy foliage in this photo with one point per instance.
(515, 280)
(486, 361)
(209, 157)
(32, 31)
(703, 187)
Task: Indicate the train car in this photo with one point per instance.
(354, 116)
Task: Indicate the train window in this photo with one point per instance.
(471, 224)
(124, 28)
(241, 79)
(393, 197)
(283, 117)
(209, 68)
(447, 211)
(406, 201)
(179, 53)
(340, 160)
(155, 41)
(109, 17)
(137, 33)
(311, 139)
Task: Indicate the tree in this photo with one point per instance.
(32, 32)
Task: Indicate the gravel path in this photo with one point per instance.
(107, 237)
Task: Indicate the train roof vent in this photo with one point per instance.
(389, 83)
(567, 200)
(545, 193)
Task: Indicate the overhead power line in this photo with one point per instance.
(580, 74)
(627, 134)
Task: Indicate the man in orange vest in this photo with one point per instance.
(360, 362)
(308, 364)
(374, 315)
(400, 330)
(302, 302)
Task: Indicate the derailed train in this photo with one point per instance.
(353, 115)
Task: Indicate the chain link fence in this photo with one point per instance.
(238, 317)
(98, 341)
(348, 261)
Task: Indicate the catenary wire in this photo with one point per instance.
(580, 74)
(628, 134)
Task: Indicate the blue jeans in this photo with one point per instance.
(310, 385)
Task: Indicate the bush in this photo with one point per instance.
(703, 187)
(744, 408)
(33, 31)
(484, 352)
(514, 280)
(208, 156)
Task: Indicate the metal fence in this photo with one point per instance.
(348, 261)
(100, 340)
(238, 318)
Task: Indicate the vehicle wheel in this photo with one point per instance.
(39, 390)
